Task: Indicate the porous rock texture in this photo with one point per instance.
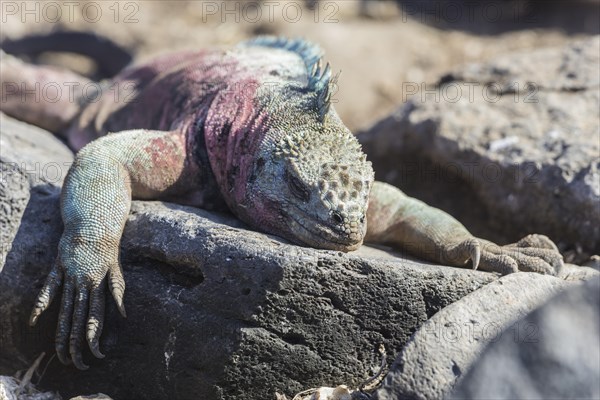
(445, 347)
(29, 157)
(214, 311)
(555, 353)
(509, 147)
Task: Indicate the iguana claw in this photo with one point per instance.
(51, 286)
(469, 249)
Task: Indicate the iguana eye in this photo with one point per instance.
(337, 217)
(298, 189)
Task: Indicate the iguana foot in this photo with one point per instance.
(431, 234)
(533, 253)
(83, 297)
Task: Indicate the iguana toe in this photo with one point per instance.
(46, 295)
(552, 258)
(537, 241)
(63, 328)
(501, 263)
(532, 264)
(76, 337)
(117, 287)
(96, 320)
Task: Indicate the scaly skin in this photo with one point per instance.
(253, 128)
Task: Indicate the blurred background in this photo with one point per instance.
(377, 45)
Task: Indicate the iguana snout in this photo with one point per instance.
(335, 230)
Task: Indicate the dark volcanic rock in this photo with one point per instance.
(445, 347)
(29, 156)
(556, 355)
(216, 311)
(509, 147)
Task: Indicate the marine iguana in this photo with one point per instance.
(252, 128)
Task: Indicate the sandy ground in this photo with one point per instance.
(377, 54)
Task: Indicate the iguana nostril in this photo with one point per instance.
(362, 219)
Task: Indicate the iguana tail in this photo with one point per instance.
(110, 58)
(41, 95)
(51, 97)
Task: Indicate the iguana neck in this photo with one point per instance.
(234, 130)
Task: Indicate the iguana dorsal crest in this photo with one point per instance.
(320, 80)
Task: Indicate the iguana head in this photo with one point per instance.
(312, 184)
(284, 161)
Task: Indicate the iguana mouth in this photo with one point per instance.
(323, 238)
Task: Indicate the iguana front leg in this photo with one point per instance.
(429, 233)
(95, 202)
